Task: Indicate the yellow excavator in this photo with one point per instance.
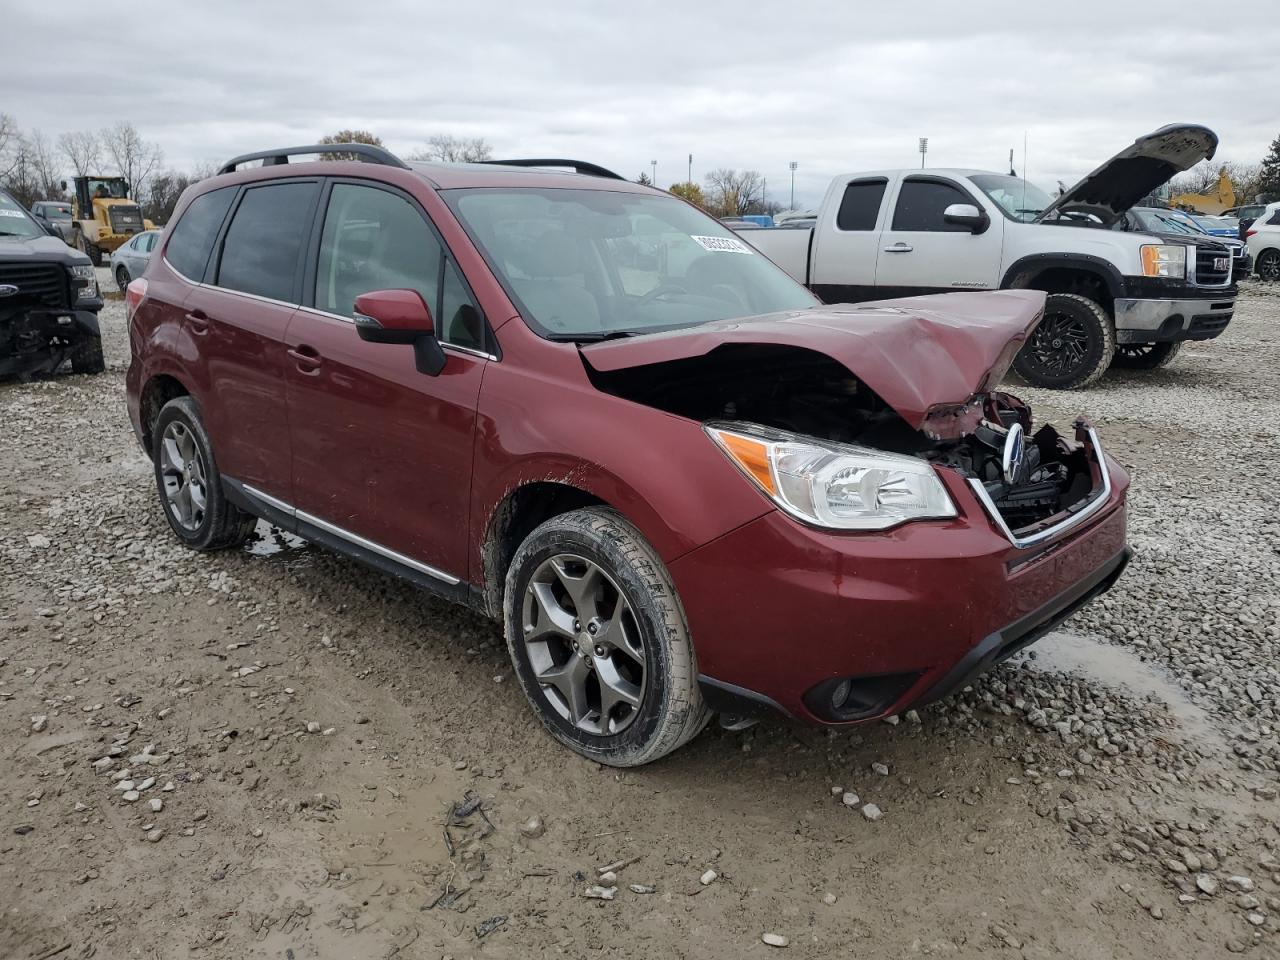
(104, 216)
(1221, 196)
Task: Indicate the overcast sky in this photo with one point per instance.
(835, 87)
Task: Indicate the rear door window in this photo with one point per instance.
(263, 246)
(920, 205)
(860, 207)
(193, 236)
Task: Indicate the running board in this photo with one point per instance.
(340, 540)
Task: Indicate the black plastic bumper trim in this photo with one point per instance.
(1026, 630)
(729, 698)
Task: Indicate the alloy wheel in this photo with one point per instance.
(584, 644)
(1060, 344)
(1269, 266)
(182, 471)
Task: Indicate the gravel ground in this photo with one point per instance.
(276, 752)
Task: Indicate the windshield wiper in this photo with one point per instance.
(589, 337)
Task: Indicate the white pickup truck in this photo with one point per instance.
(1114, 296)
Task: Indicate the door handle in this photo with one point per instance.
(306, 357)
(199, 322)
(899, 247)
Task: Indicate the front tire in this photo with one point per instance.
(89, 249)
(599, 642)
(1268, 265)
(189, 484)
(1072, 346)
(86, 357)
(1145, 356)
(122, 277)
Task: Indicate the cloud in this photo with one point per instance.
(834, 87)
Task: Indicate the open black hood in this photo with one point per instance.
(1136, 171)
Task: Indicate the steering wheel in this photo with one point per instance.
(660, 290)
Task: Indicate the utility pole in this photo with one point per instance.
(924, 148)
(654, 164)
(690, 180)
(793, 166)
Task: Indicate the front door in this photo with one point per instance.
(382, 453)
(920, 252)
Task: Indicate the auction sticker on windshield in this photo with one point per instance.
(721, 244)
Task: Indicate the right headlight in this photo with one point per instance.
(1164, 260)
(834, 485)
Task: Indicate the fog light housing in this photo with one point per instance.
(847, 699)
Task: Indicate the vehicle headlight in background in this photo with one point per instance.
(1164, 260)
(834, 485)
(85, 280)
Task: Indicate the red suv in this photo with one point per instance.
(584, 407)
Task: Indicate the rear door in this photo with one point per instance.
(382, 453)
(920, 252)
(239, 318)
(846, 241)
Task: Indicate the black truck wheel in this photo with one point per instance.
(86, 357)
(89, 249)
(1071, 348)
(1145, 356)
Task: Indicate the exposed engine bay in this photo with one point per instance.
(809, 393)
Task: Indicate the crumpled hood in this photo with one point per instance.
(918, 354)
(1136, 171)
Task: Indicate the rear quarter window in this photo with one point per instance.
(193, 235)
(860, 207)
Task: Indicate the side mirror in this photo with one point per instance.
(967, 215)
(400, 316)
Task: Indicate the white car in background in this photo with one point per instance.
(1263, 237)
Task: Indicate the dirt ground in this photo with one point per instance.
(344, 767)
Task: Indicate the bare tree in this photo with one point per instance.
(349, 136)
(732, 193)
(10, 140)
(44, 162)
(449, 149)
(82, 150)
(134, 158)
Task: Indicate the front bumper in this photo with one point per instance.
(1140, 320)
(39, 340)
(781, 613)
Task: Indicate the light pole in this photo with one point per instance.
(690, 180)
(924, 148)
(793, 166)
(654, 164)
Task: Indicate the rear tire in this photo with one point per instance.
(86, 357)
(1145, 356)
(1268, 265)
(620, 628)
(189, 484)
(1071, 347)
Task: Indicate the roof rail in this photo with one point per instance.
(577, 166)
(363, 151)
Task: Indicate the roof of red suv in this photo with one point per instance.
(443, 176)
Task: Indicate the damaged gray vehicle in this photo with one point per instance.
(49, 300)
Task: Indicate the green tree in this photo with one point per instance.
(1269, 176)
(349, 136)
(691, 192)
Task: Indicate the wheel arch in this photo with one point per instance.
(159, 389)
(1079, 274)
(517, 514)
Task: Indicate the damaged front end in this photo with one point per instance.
(35, 342)
(832, 451)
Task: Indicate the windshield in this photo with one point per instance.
(62, 212)
(589, 264)
(14, 221)
(1020, 200)
(1152, 222)
(108, 189)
